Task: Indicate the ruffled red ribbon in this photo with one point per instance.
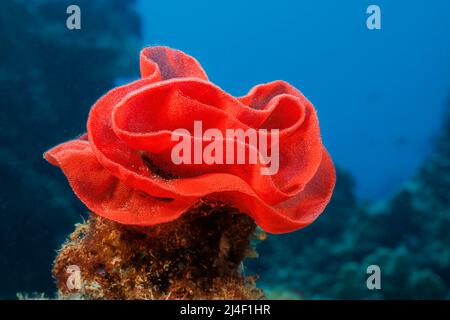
(116, 168)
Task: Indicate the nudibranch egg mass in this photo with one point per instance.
(122, 168)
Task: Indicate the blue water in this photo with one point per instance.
(379, 93)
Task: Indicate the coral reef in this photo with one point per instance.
(407, 236)
(49, 76)
(198, 256)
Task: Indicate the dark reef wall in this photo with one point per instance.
(407, 236)
(49, 78)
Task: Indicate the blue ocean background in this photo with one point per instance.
(382, 96)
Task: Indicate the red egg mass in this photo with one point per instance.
(123, 171)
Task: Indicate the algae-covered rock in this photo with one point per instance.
(198, 256)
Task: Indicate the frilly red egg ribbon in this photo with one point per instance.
(132, 125)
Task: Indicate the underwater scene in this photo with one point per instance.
(232, 150)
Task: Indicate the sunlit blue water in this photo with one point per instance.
(379, 93)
